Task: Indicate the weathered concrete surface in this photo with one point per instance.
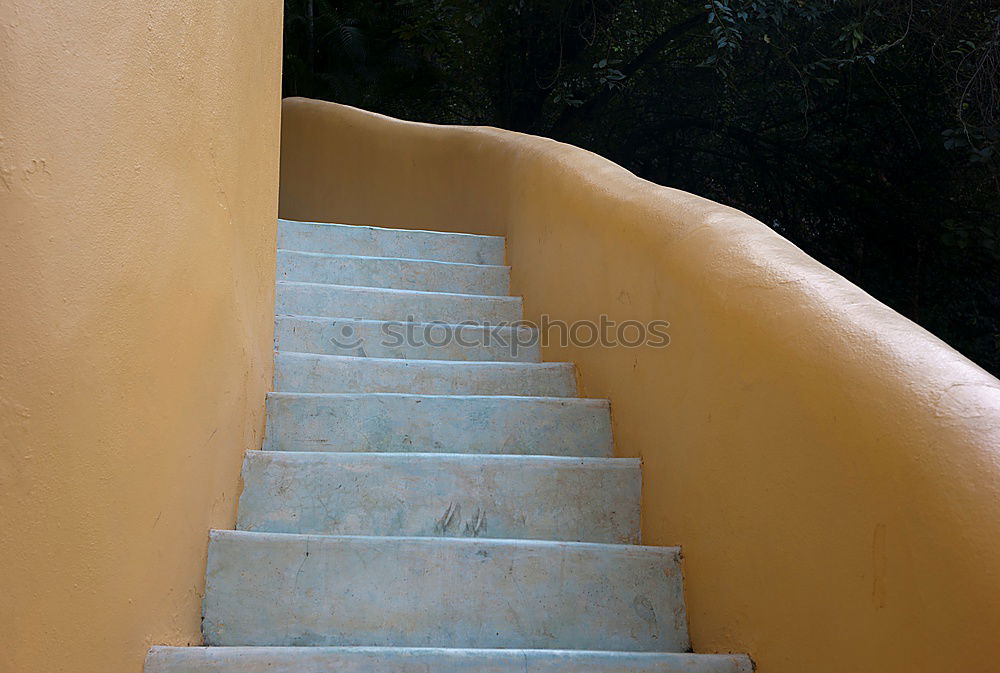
(436, 494)
(431, 660)
(344, 301)
(277, 589)
(406, 341)
(346, 239)
(438, 423)
(392, 272)
(312, 373)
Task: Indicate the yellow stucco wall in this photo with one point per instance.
(138, 193)
(831, 469)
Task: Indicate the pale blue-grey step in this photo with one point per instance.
(312, 373)
(431, 660)
(438, 423)
(347, 301)
(347, 239)
(452, 495)
(282, 589)
(407, 341)
(392, 272)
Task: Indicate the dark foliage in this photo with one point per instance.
(865, 132)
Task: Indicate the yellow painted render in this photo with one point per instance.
(831, 469)
(138, 195)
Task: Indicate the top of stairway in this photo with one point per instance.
(370, 241)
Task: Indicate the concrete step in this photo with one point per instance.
(347, 239)
(438, 423)
(312, 373)
(279, 589)
(392, 272)
(406, 341)
(451, 495)
(431, 660)
(345, 301)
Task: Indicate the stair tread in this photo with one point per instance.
(419, 323)
(439, 660)
(381, 303)
(436, 262)
(372, 227)
(388, 242)
(441, 494)
(401, 292)
(422, 591)
(404, 362)
(582, 461)
(431, 542)
(542, 399)
(316, 372)
(392, 272)
(406, 340)
(474, 424)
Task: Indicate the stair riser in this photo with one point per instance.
(306, 373)
(373, 242)
(265, 589)
(399, 660)
(403, 274)
(338, 301)
(409, 341)
(410, 423)
(584, 500)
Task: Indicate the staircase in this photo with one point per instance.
(430, 504)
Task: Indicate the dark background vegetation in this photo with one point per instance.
(865, 132)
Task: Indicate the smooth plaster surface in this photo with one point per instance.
(138, 197)
(831, 469)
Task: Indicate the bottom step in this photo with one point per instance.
(432, 660)
(288, 590)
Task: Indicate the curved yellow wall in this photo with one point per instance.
(138, 193)
(831, 469)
